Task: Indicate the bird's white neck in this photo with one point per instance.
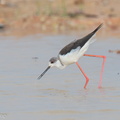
(59, 64)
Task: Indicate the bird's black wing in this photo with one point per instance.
(78, 43)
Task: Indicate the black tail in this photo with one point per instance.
(83, 40)
(80, 42)
(97, 28)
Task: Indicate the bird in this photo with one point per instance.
(72, 52)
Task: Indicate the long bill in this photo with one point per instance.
(44, 72)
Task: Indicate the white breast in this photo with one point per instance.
(70, 57)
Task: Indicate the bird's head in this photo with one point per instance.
(53, 61)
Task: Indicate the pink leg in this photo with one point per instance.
(101, 73)
(87, 79)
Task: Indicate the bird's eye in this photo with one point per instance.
(52, 62)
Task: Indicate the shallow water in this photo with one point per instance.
(59, 95)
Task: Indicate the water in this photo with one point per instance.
(59, 95)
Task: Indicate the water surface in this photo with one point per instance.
(59, 95)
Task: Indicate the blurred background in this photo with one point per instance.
(24, 17)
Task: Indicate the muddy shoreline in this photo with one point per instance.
(21, 18)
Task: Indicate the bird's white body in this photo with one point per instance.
(73, 56)
(70, 57)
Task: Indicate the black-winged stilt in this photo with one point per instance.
(72, 52)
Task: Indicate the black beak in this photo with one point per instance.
(44, 72)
